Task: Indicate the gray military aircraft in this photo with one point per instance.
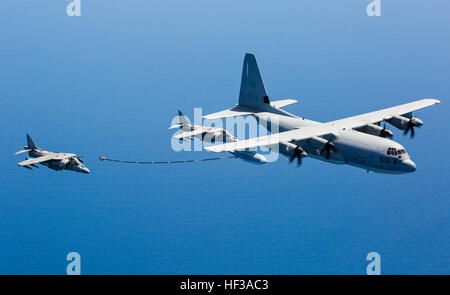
(358, 141)
(211, 135)
(55, 161)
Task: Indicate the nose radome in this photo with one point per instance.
(409, 165)
(86, 170)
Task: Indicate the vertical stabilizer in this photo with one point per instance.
(182, 118)
(30, 142)
(185, 125)
(253, 93)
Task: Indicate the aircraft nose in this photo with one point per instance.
(409, 165)
(86, 170)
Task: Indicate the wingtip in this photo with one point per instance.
(435, 101)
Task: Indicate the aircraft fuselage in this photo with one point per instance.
(73, 164)
(352, 147)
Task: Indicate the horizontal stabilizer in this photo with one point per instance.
(22, 151)
(282, 103)
(234, 112)
(175, 126)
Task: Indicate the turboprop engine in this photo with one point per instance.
(377, 130)
(405, 124)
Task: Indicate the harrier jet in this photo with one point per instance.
(358, 141)
(55, 161)
(211, 135)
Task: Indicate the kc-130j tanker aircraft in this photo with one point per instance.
(358, 141)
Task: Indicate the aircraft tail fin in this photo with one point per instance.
(183, 122)
(30, 142)
(30, 146)
(253, 96)
(253, 92)
(182, 118)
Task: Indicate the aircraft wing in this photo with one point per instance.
(385, 114)
(233, 112)
(324, 128)
(291, 135)
(45, 158)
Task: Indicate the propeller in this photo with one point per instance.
(329, 146)
(410, 127)
(298, 151)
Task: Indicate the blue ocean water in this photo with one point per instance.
(110, 82)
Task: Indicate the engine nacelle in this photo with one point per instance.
(289, 148)
(375, 130)
(402, 123)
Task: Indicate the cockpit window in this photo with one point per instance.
(395, 152)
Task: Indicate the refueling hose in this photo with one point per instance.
(103, 158)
